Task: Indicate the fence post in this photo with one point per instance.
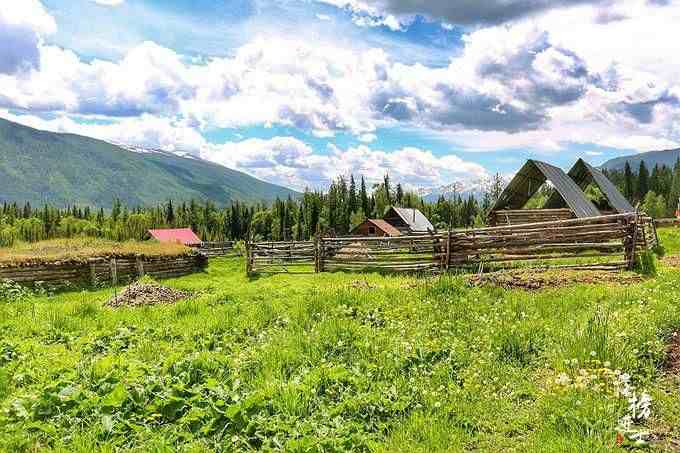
(249, 264)
(140, 266)
(633, 242)
(448, 250)
(321, 254)
(316, 254)
(93, 273)
(114, 271)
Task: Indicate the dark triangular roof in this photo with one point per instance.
(583, 174)
(531, 177)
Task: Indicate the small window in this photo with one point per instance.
(371, 230)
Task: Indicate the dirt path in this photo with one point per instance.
(535, 280)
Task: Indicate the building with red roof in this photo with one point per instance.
(375, 227)
(177, 235)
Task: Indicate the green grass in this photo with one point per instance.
(325, 363)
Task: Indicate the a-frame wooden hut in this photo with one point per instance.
(567, 200)
(584, 174)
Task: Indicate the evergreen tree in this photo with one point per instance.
(364, 199)
(169, 214)
(387, 188)
(400, 195)
(629, 182)
(353, 199)
(643, 181)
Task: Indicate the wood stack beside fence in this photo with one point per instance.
(394, 254)
(276, 257)
(103, 270)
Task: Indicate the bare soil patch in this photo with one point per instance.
(141, 294)
(672, 362)
(673, 260)
(362, 285)
(536, 279)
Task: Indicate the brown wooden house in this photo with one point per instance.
(375, 227)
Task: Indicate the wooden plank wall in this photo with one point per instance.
(109, 270)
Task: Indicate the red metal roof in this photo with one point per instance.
(179, 235)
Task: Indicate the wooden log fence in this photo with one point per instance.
(216, 249)
(401, 254)
(604, 242)
(523, 216)
(103, 270)
(666, 223)
(280, 257)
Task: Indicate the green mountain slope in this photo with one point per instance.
(39, 166)
(667, 157)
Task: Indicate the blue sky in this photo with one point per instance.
(299, 91)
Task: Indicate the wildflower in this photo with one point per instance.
(563, 379)
(593, 353)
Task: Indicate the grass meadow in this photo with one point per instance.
(343, 362)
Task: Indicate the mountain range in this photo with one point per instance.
(652, 158)
(60, 169)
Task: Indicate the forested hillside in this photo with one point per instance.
(64, 169)
(652, 158)
(656, 188)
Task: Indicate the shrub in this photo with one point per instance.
(8, 235)
(13, 292)
(646, 263)
(240, 248)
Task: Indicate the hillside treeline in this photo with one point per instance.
(335, 212)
